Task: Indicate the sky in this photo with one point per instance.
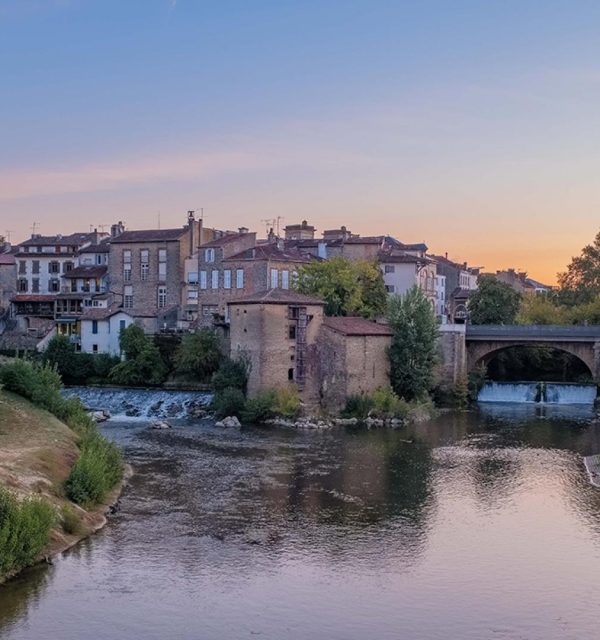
(471, 126)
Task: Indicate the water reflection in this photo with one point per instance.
(445, 529)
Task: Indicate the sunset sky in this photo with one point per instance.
(472, 126)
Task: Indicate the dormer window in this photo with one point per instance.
(209, 255)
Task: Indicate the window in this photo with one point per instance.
(203, 283)
(35, 266)
(389, 268)
(67, 266)
(227, 279)
(94, 326)
(209, 255)
(121, 325)
(23, 266)
(209, 309)
(162, 264)
(291, 374)
(285, 279)
(292, 331)
(35, 285)
(162, 297)
(192, 294)
(193, 277)
(239, 279)
(214, 279)
(390, 288)
(127, 265)
(274, 278)
(95, 348)
(144, 263)
(23, 285)
(54, 285)
(128, 297)
(54, 267)
(98, 259)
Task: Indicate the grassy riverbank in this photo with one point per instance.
(38, 453)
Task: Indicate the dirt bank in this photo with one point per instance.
(37, 452)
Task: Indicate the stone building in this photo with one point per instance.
(237, 265)
(8, 281)
(352, 356)
(146, 271)
(278, 331)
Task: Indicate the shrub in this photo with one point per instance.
(70, 520)
(260, 407)
(358, 406)
(24, 531)
(232, 374)
(143, 363)
(386, 404)
(199, 354)
(229, 402)
(103, 363)
(287, 402)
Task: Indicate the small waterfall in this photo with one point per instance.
(538, 392)
(142, 404)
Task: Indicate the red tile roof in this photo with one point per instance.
(352, 326)
(277, 296)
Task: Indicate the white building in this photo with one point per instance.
(100, 328)
(441, 309)
(402, 271)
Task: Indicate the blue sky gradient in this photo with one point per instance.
(471, 125)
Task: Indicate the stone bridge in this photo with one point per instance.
(483, 342)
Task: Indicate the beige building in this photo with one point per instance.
(352, 359)
(278, 330)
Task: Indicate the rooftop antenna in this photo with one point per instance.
(34, 227)
(8, 232)
(270, 224)
(158, 216)
(102, 227)
(279, 219)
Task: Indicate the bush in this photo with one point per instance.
(382, 403)
(358, 406)
(99, 466)
(24, 531)
(103, 363)
(143, 363)
(199, 354)
(232, 374)
(287, 402)
(229, 402)
(70, 521)
(260, 408)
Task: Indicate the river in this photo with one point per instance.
(476, 525)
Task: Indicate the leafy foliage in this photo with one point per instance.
(382, 403)
(348, 288)
(287, 401)
(228, 402)
(539, 308)
(580, 283)
(260, 407)
(199, 354)
(24, 530)
(143, 364)
(412, 351)
(232, 373)
(494, 302)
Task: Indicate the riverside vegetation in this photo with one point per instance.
(26, 523)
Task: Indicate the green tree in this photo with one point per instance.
(580, 283)
(348, 288)
(494, 302)
(199, 354)
(413, 348)
(143, 363)
(539, 308)
(73, 367)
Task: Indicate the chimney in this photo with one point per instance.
(280, 244)
(270, 235)
(116, 229)
(242, 230)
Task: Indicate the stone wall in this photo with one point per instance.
(452, 355)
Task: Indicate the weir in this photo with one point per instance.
(143, 404)
(538, 393)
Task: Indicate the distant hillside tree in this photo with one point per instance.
(348, 288)
(494, 302)
(413, 350)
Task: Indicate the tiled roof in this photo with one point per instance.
(149, 235)
(226, 239)
(101, 314)
(71, 239)
(7, 258)
(33, 298)
(351, 326)
(96, 271)
(271, 252)
(402, 258)
(103, 247)
(277, 296)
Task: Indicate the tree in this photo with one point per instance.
(580, 283)
(348, 288)
(494, 302)
(199, 354)
(541, 308)
(143, 364)
(73, 367)
(413, 349)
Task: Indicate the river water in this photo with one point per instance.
(476, 525)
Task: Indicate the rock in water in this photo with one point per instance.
(229, 421)
(161, 424)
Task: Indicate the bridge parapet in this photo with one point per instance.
(533, 333)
